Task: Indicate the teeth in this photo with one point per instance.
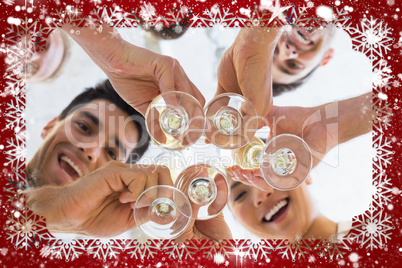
(74, 166)
(301, 37)
(275, 209)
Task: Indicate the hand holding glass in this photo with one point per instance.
(231, 121)
(285, 161)
(162, 212)
(175, 120)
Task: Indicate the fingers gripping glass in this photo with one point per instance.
(162, 212)
(206, 188)
(175, 120)
(285, 161)
(173, 160)
(231, 121)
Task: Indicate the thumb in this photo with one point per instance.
(111, 178)
(164, 74)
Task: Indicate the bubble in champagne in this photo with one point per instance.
(163, 211)
(283, 161)
(227, 120)
(202, 191)
(174, 121)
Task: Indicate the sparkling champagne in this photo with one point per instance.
(248, 157)
(227, 120)
(283, 161)
(163, 211)
(206, 188)
(175, 120)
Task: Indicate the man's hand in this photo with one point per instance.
(137, 74)
(322, 128)
(99, 204)
(245, 68)
(310, 124)
(325, 126)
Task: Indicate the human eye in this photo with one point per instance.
(240, 196)
(83, 127)
(276, 51)
(294, 65)
(111, 153)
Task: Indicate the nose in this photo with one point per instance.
(91, 154)
(291, 51)
(261, 195)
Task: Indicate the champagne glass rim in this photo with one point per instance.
(308, 150)
(157, 98)
(189, 216)
(229, 94)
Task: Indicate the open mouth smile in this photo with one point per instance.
(277, 211)
(70, 168)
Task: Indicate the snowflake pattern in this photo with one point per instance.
(142, 249)
(259, 250)
(372, 38)
(215, 15)
(16, 152)
(332, 249)
(224, 248)
(382, 149)
(68, 250)
(15, 116)
(26, 229)
(105, 248)
(179, 250)
(17, 59)
(382, 193)
(14, 194)
(277, 11)
(292, 250)
(382, 76)
(23, 40)
(113, 17)
(372, 229)
(383, 112)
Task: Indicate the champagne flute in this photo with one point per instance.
(285, 161)
(207, 189)
(173, 160)
(231, 121)
(175, 120)
(162, 212)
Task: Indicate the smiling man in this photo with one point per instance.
(299, 52)
(263, 62)
(95, 128)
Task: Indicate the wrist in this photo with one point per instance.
(108, 42)
(47, 202)
(282, 119)
(355, 117)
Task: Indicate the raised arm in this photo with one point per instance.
(245, 68)
(99, 204)
(322, 127)
(325, 126)
(137, 74)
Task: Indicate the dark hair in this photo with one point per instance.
(278, 89)
(173, 31)
(105, 91)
